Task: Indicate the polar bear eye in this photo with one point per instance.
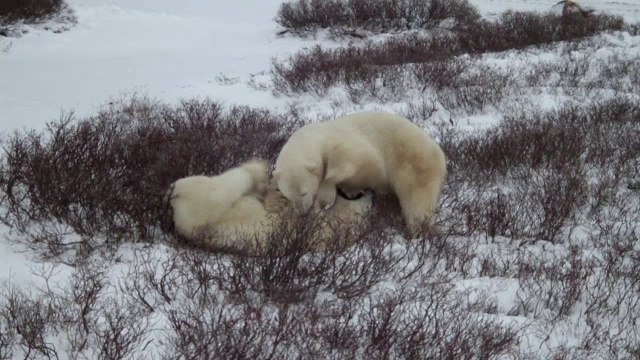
(303, 194)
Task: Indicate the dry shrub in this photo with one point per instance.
(517, 30)
(470, 87)
(544, 206)
(105, 176)
(317, 69)
(90, 320)
(548, 178)
(29, 10)
(359, 65)
(14, 13)
(598, 134)
(400, 325)
(615, 71)
(633, 29)
(612, 313)
(345, 17)
(111, 170)
(527, 143)
(531, 176)
(288, 272)
(324, 323)
(556, 283)
(25, 321)
(583, 75)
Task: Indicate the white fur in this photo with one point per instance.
(235, 209)
(377, 150)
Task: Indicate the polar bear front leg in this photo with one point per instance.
(337, 172)
(326, 196)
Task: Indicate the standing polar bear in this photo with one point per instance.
(238, 210)
(377, 150)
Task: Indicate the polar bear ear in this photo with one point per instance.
(313, 168)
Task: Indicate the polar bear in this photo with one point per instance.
(238, 209)
(377, 150)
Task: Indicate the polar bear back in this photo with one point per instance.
(380, 143)
(199, 201)
(380, 132)
(386, 132)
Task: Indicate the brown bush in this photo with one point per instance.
(29, 10)
(346, 17)
(549, 166)
(83, 314)
(13, 13)
(517, 30)
(533, 179)
(25, 320)
(542, 140)
(107, 174)
(369, 323)
(597, 134)
(287, 272)
(318, 69)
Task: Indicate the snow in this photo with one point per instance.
(129, 46)
(164, 49)
(174, 50)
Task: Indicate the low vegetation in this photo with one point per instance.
(16, 12)
(536, 177)
(383, 69)
(534, 253)
(351, 17)
(107, 174)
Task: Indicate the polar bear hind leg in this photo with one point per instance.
(418, 189)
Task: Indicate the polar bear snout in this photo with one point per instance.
(304, 204)
(302, 194)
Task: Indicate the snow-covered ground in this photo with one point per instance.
(174, 50)
(165, 49)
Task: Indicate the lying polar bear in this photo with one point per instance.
(237, 209)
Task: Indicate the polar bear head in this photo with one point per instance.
(299, 184)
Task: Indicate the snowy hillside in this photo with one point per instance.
(538, 255)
